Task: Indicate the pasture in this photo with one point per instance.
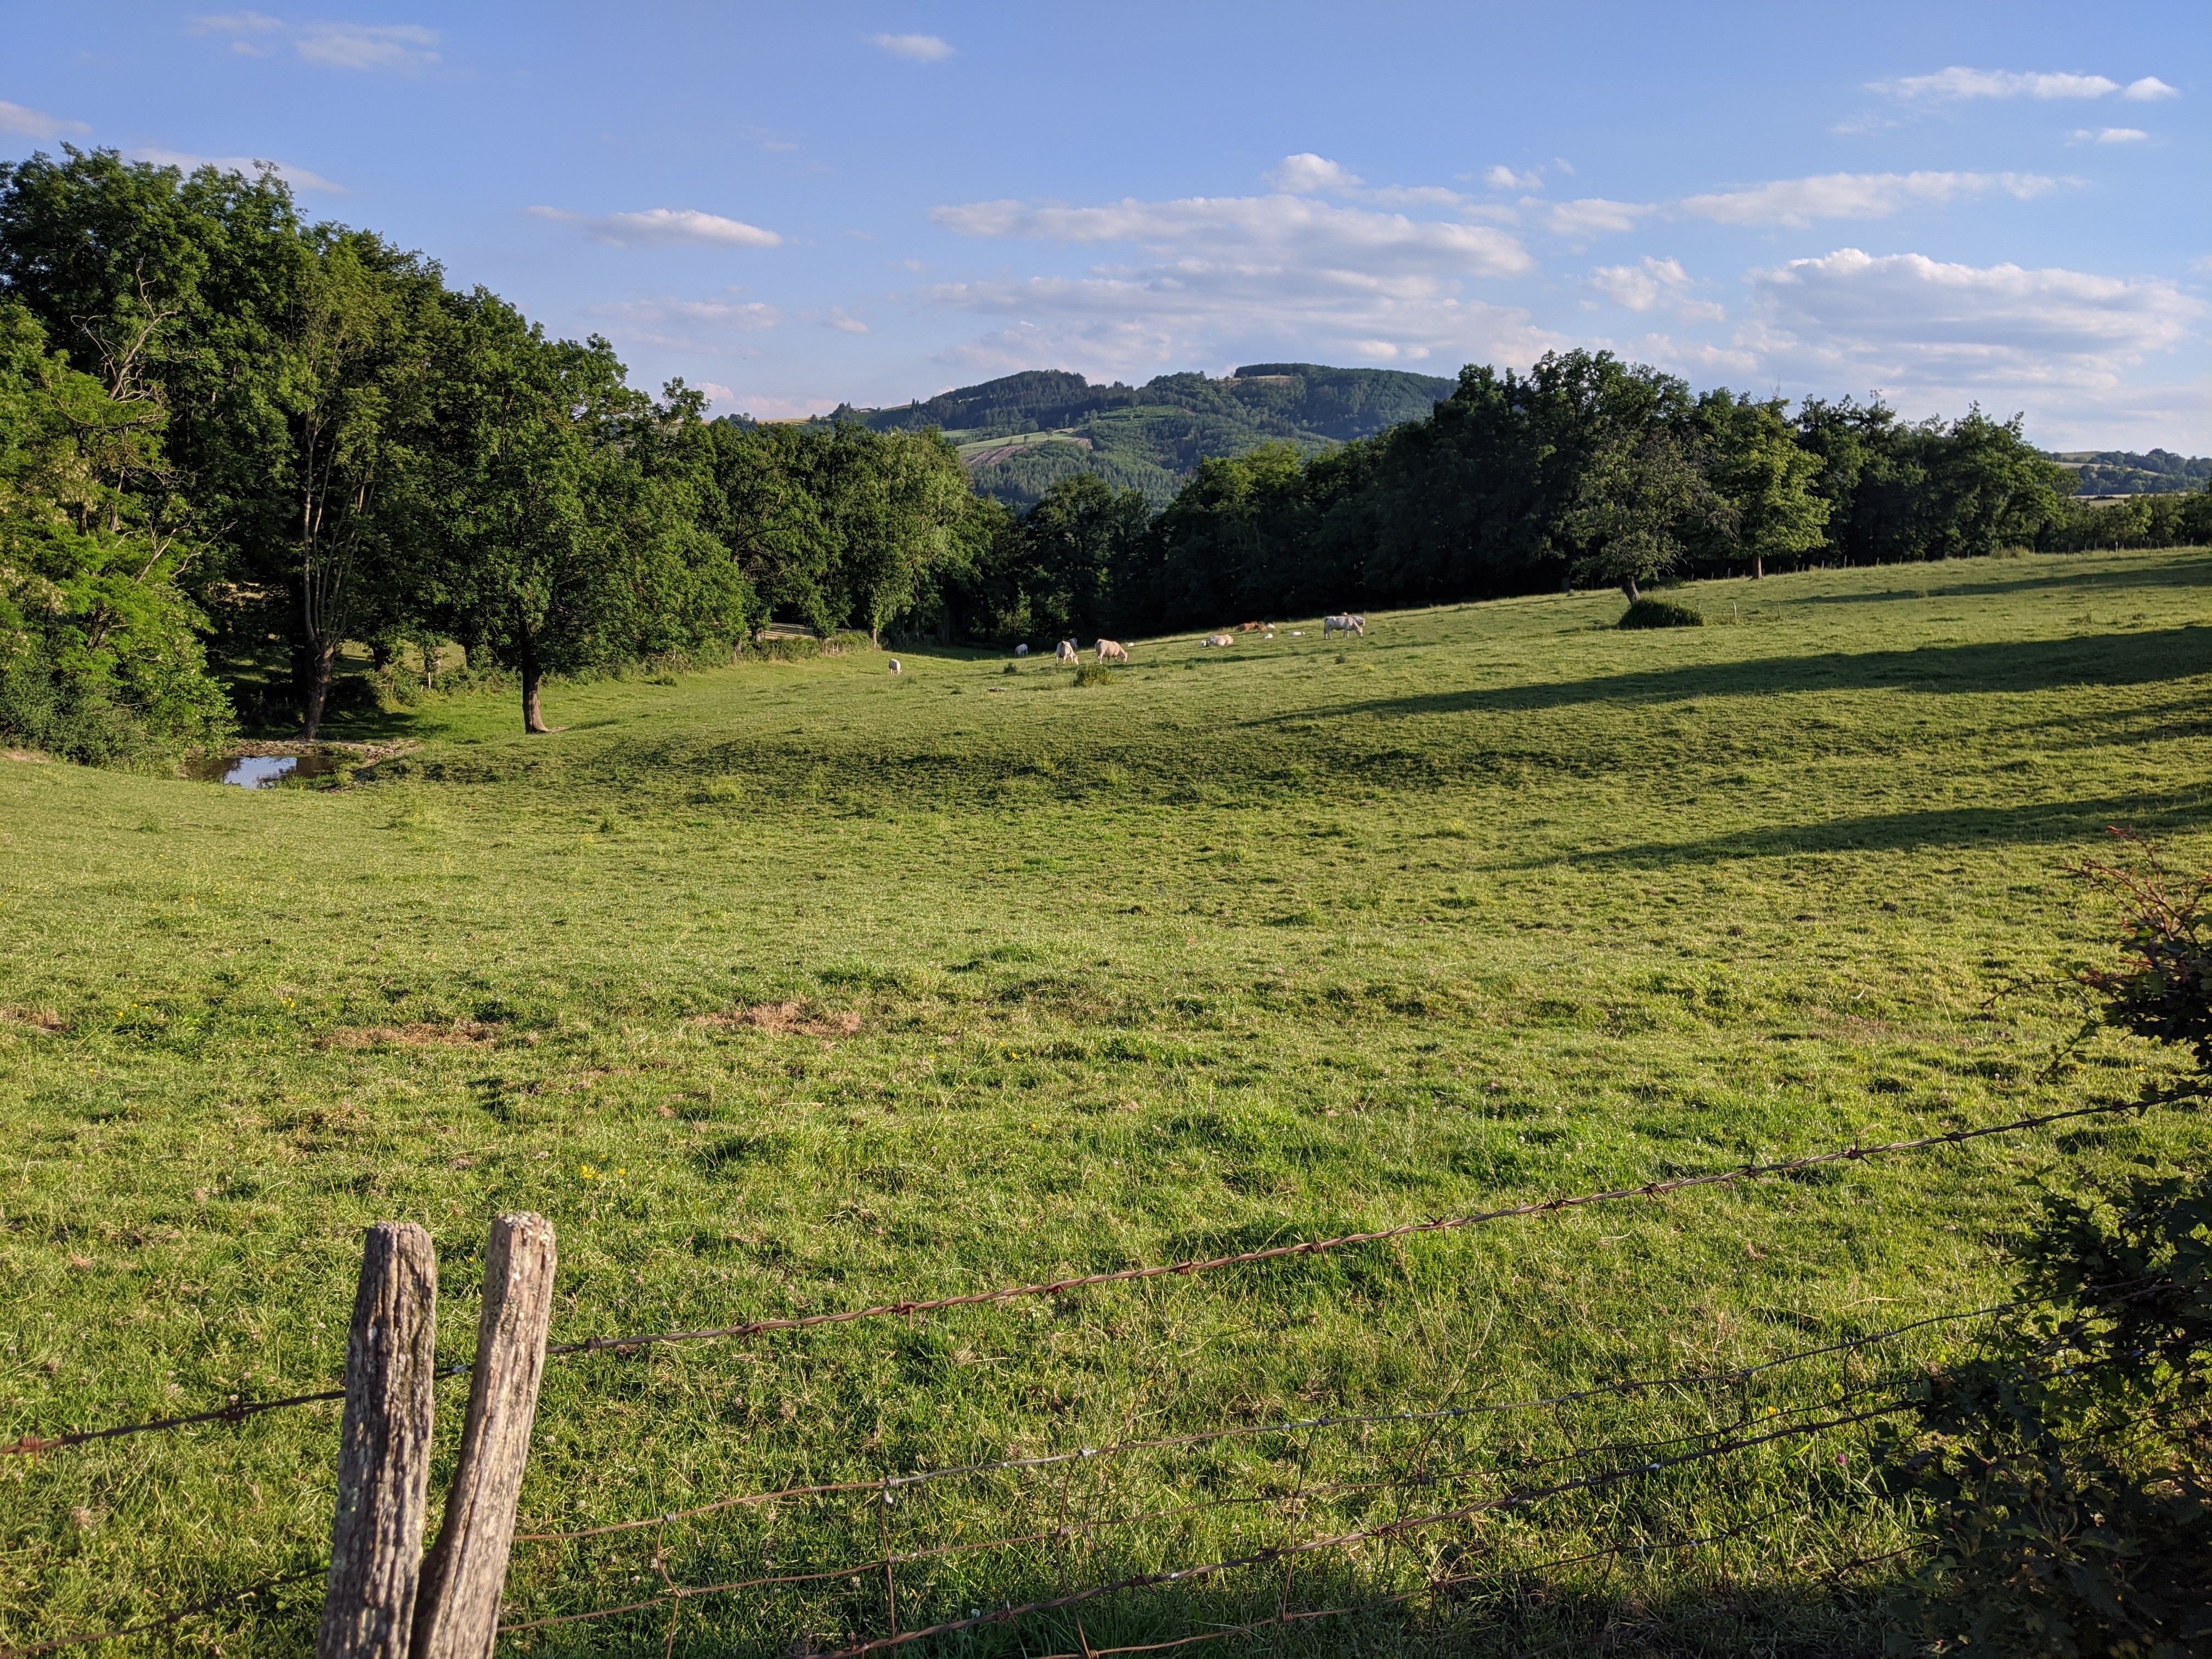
(796, 987)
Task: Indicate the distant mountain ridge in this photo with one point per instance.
(1020, 433)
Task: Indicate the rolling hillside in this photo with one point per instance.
(1020, 433)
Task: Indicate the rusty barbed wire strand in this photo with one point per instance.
(1044, 1460)
(166, 1620)
(1315, 1247)
(1285, 1552)
(236, 1412)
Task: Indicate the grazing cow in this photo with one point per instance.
(1067, 651)
(1346, 624)
(895, 665)
(1112, 651)
(1220, 639)
(1021, 650)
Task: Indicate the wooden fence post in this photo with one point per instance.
(456, 1616)
(383, 1449)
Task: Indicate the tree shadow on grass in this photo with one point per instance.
(2104, 660)
(2040, 823)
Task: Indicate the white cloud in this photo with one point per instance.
(298, 178)
(1654, 283)
(842, 320)
(914, 48)
(1504, 178)
(1988, 330)
(711, 327)
(1593, 215)
(402, 47)
(665, 227)
(1854, 196)
(1220, 278)
(37, 123)
(716, 393)
(1211, 230)
(1957, 82)
(1306, 174)
(2109, 136)
(2149, 89)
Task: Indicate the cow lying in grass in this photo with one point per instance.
(1218, 639)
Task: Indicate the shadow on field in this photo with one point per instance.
(2042, 822)
(2192, 573)
(1326, 1612)
(2102, 660)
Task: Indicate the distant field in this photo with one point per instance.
(1242, 947)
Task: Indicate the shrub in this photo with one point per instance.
(2066, 1480)
(1095, 673)
(1660, 613)
(1010, 669)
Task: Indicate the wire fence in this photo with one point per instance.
(1426, 1468)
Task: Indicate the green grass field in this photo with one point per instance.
(1238, 947)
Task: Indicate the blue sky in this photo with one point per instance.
(795, 206)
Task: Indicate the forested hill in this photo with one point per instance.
(1020, 435)
(2123, 472)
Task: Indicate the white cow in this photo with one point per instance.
(1346, 624)
(1220, 639)
(1067, 651)
(1112, 651)
(1021, 650)
(894, 665)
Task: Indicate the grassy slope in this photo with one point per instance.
(1251, 944)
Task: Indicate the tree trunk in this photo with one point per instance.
(322, 665)
(1628, 586)
(1757, 567)
(533, 676)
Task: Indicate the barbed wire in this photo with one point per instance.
(236, 1412)
(1274, 1553)
(1318, 1246)
(1045, 1459)
(166, 1620)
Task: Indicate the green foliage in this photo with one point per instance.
(2123, 472)
(99, 660)
(2067, 1479)
(1647, 612)
(2162, 989)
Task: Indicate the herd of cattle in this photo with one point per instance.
(1115, 651)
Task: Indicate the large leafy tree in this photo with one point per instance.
(100, 659)
(565, 507)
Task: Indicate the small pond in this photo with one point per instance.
(259, 771)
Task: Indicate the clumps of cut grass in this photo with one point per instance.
(721, 792)
(1660, 613)
(784, 1017)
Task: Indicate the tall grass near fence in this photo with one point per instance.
(792, 987)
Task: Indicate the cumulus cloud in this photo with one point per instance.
(1307, 174)
(1903, 320)
(404, 48)
(842, 320)
(298, 178)
(1799, 202)
(37, 123)
(712, 327)
(1223, 275)
(1504, 178)
(1593, 215)
(2109, 134)
(2149, 89)
(665, 227)
(914, 48)
(1653, 284)
(1959, 82)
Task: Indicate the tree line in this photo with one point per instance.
(234, 442)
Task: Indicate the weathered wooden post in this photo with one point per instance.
(457, 1615)
(384, 1449)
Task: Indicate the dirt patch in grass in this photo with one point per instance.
(39, 1019)
(785, 1017)
(461, 1034)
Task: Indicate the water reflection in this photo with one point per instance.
(259, 771)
